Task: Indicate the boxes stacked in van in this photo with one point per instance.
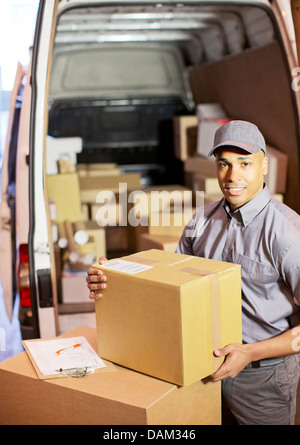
(80, 232)
(193, 139)
(96, 210)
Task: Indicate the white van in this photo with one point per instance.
(107, 80)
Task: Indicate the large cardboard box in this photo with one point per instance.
(164, 313)
(119, 397)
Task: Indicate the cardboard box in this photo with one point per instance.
(101, 169)
(119, 397)
(155, 199)
(90, 186)
(167, 243)
(58, 147)
(276, 178)
(162, 232)
(166, 320)
(201, 165)
(170, 224)
(184, 144)
(211, 117)
(63, 190)
(98, 236)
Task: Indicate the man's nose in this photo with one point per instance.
(233, 174)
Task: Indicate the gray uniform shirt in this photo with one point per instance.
(263, 236)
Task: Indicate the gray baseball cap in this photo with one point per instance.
(241, 134)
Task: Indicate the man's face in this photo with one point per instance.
(240, 174)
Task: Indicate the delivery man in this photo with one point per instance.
(249, 227)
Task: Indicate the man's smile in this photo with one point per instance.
(234, 190)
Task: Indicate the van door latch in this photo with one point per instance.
(42, 248)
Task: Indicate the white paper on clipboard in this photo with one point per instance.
(49, 362)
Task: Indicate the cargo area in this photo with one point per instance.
(135, 96)
(107, 155)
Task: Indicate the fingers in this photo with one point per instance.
(96, 281)
(95, 295)
(102, 260)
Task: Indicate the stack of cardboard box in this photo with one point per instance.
(163, 315)
(161, 213)
(79, 234)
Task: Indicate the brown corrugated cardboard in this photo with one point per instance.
(64, 190)
(183, 145)
(100, 169)
(169, 224)
(167, 243)
(166, 320)
(276, 178)
(201, 165)
(120, 397)
(90, 186)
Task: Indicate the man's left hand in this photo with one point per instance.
(236, 358)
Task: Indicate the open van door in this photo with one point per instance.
(42, 290)
(8, 195)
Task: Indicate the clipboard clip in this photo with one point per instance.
(77, 372)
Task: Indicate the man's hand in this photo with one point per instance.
(96, 280)
(237, 356)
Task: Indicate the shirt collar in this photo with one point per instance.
(252, 208)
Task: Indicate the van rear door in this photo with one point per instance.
(42, 289)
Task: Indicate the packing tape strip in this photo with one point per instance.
(215, 311)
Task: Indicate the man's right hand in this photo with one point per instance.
(96, 280)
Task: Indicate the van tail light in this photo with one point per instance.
(24, 287)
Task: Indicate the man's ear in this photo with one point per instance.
(265, 165)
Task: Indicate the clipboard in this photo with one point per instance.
(48, 366)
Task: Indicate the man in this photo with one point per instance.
(250, 228)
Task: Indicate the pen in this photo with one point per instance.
(69, 347)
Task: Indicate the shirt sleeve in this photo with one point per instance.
(290, 269)
(185, 246)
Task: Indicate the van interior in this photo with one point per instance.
(120, 77)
